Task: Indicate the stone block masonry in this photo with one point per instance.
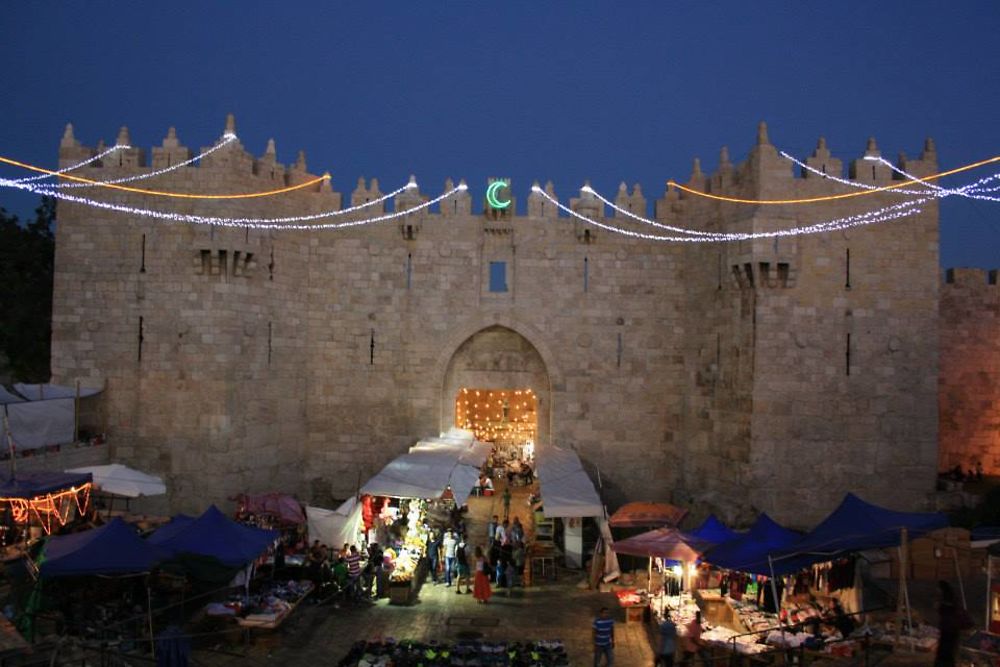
(765, 375)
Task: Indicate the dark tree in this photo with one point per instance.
(26, 260)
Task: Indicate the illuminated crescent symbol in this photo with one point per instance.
(491, 195)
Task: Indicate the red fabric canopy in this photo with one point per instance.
(279, 505)
(667, 543)
(647, 515)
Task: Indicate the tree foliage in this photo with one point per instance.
(26, 261)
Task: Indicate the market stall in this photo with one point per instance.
(41, 502)
(568, 494)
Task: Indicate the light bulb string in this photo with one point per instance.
(227, 138)
(885, 214)
(971, 190)
(822, 198)
(78, 165)
(289, 223)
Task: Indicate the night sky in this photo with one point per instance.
(566, 91)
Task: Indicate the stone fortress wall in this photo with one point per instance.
(970, 371)
(756, 375)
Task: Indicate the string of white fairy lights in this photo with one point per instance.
(227, 138)
(64, 170)
(884, 214)
(283, 223)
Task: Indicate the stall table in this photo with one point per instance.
(274, 621)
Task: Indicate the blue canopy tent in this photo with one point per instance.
(215, 535)
(749, 552)
(112, 549)
(855, 525)
(714, 531)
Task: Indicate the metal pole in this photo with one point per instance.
(10, 441)
(774, 594)
(989, 573)
(958, 573)
(76, 414)
(149, 608)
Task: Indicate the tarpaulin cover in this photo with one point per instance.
(124, 481)
(647, 515)
(41, 392)
(45, 418)
(280, 505)
(215, 535)
(167, 531)
(112, 549)
(857, 525)
(335, 527)
(667, 543)
(714, 531)
(565, 486)
(7, 397)
(749, 553)
(33, 484)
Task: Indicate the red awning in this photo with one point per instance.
(647, 515)
(666, 543)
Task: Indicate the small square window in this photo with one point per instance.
(498, 276)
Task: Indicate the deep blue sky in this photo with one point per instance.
(565, 91)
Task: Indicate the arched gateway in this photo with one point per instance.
(497, 384)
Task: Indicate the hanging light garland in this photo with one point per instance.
(284, 223)
(227, 139)
(78, 165)
(50, 507)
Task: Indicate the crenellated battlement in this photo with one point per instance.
(764, 173)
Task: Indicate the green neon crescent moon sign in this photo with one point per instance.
(491, 195)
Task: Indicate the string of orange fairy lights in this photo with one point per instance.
(50, 506)
(845, 195)
(162, 193)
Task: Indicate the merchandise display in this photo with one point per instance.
(433, 654)
(265, 610)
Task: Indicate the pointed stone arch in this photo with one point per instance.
(497, 353)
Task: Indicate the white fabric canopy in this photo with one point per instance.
(565, 486)
(45, 418)
(124, 481)
(334, 527)
(35, 424)
(431, 466)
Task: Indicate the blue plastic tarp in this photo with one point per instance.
(215, 535)
(32, 484)
(714, 531)
(749, 552)
(113, 549)
(857, 525)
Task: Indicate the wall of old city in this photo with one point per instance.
(970, 371)
(719, 375)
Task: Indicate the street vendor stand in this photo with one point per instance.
(432, 470)
(568, 494)
(45, 501)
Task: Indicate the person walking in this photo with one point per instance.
(506, 503)
(481, 588)
(433, 554)
(952, 621)
(462, 566)
(491, 531)
(449, 545)
(667, 645)
(604, 638)
(694, 645)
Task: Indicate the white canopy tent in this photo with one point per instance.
(124, 481)
(430, 467)
(566, 489)
(334, 527)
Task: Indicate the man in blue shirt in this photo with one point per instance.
(668, 642)
(604, 638)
